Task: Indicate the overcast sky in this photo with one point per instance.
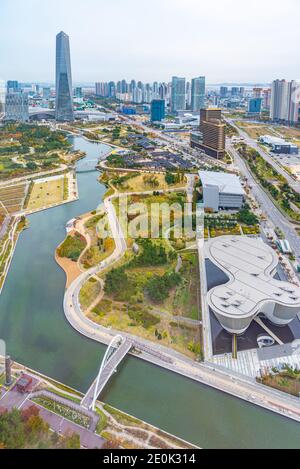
(226, 40)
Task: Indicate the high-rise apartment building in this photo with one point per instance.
(257, 93)
(17, 107)
(285, 101)
(178, 94)
(64, 90)
(267, 99)
(198, 94)
(293, 100)
(223, 92)
(2, 98)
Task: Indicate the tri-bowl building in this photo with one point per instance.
(251, 289)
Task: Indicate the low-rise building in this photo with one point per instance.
(279, 145)
(221, 191)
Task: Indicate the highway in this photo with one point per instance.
(265, 155)
(271, 211)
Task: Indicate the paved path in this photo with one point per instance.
(160, 355)
(62, 426)
(107, 372)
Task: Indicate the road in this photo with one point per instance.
(266, 156)
(207, 373)
(272, 212)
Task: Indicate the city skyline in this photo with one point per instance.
(98, 54)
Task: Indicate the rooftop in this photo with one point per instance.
(250, 265)
(227, 183)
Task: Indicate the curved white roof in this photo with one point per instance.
(250, 265)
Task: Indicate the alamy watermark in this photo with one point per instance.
(120, 218)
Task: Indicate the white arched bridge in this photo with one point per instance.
(86, 166)
(115, 353)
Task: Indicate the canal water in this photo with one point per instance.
(33, 324)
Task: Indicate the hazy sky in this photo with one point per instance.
(226, 40)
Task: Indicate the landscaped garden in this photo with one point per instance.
(274, 183)
(72, 247)
(64, 411)
(286, 380)
(47, 193)
(28, 148)
(100, 248)
(145, 295)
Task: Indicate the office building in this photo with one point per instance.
(46, 92)
(223, 92)
(178, 94)
(17, 107)
(198, 94)
(211, 138)
(78, 93)
(13, 86)
(158, 110)
(255, 106)
(64, 90)
(251, 289)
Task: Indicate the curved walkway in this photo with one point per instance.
(209, 374)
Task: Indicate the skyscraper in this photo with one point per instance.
(64, 91)
(279, 100)
(17, 107)
(198, 94)
(178, 94)
(293, 98)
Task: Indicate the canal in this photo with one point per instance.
(33, 324)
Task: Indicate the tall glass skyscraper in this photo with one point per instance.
(198, 93)
(178, 94)
(64, 91)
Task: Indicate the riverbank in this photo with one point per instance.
(36, 333)
(118, 428)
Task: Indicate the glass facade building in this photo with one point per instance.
(198, 94)
(64, 91)
(178, 94)
(17, 107)
(157, 110)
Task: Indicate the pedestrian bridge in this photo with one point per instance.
(86, 166)
(116, 352)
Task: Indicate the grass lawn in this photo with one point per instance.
(183, 300)
(89, 293)
(287, 382)
(46, 193)
(131, 309)
(147, 182)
